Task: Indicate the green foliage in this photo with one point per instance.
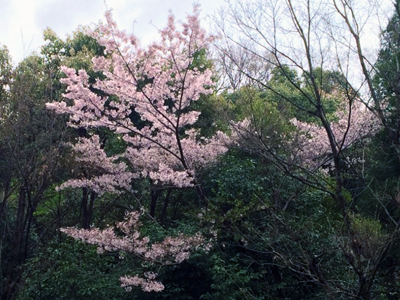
(368, 230)
(232, 280)
(236, 177)
(5, 73)
(294, 95)
(214, 115)
(386, 77)
(72, 270)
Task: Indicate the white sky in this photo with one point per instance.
(22, 21)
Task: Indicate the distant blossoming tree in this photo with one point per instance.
(309, 146)
(353, 123)
(158, 84)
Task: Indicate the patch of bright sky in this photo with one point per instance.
(22, 21)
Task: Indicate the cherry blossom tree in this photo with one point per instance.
(158, 84)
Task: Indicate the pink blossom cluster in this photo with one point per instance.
(172, 250)
(101, 173)
(350, 125)
(246, 134)
(311, 147)
(159, 83)
(148, 283)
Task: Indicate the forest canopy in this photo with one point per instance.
(250, 162)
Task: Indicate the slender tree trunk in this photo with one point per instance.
(165, 206)
(155, 194)
(365, 288)
(16, 257)
(88, 198)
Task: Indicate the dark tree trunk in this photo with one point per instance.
(365, 288)
(87, 203)
(17, 256)
(165, 206)
(155, 194)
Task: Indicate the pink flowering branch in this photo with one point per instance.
(172, 250)
(101, 173)
(351, 125)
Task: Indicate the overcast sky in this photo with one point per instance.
(22, 21)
